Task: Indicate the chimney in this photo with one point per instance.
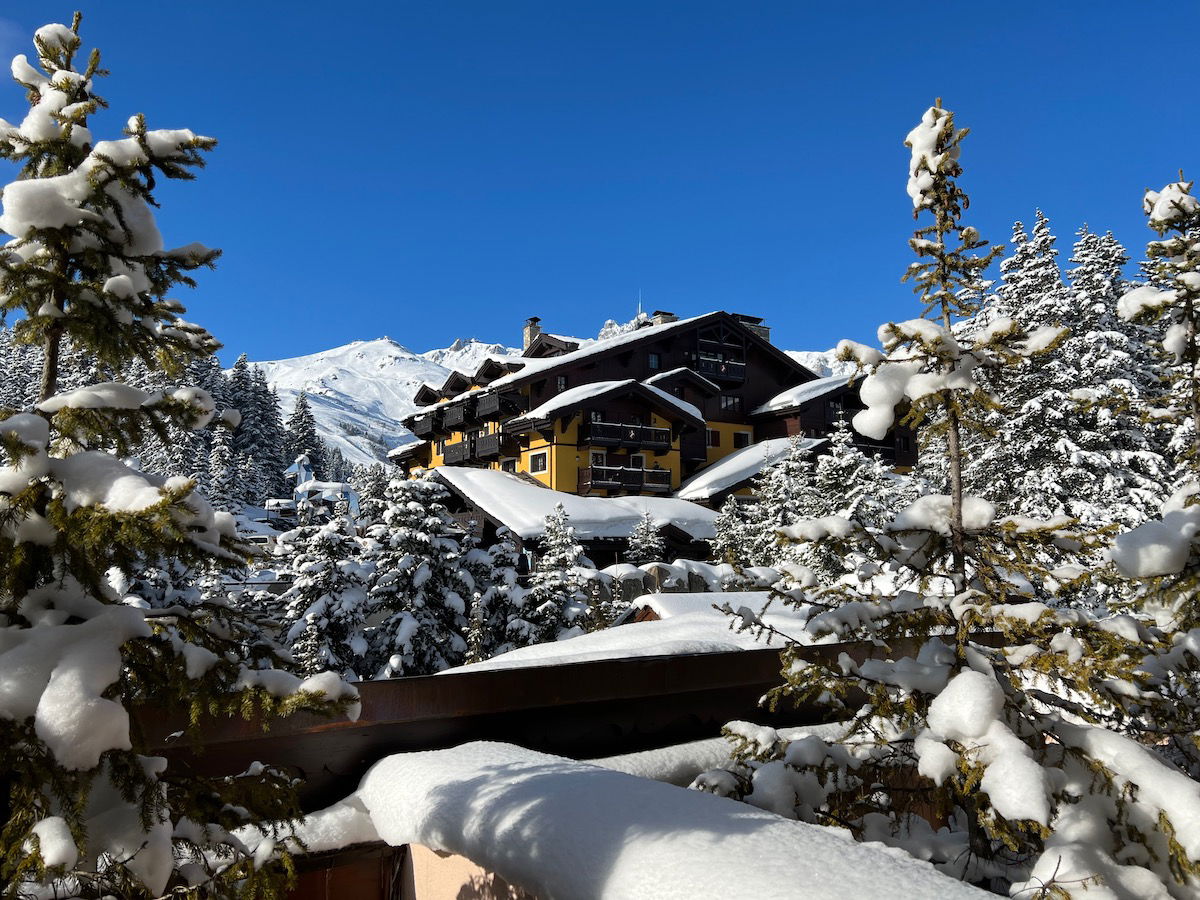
(532, 330)
(662, 317)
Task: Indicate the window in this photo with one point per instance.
(713, 437)
(678, 391)
(509, 465)
(599, 458)
(560, 382)
(538, 462)
(741, 439)
(635, 419)
(637, 461)
(441, 448)
(731, 404)
(654, 361)
(597, 415)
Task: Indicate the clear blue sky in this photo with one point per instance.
(432, 170)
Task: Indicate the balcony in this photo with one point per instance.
(457, 453)
(620, 478)
(487, 446)
(497, 403)
(424, 426)
(614, 434)
(721, 370)
(454, 416)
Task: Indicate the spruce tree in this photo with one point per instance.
(496, 598)
(223, 472)
(87, 807)
(646, 544)
(557, 601)
(327, 602)
(1005, 739)
(419, 587)
(302, 438)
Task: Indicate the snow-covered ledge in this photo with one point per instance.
(563, 829)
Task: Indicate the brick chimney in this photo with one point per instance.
(662, 317)
(532, 330)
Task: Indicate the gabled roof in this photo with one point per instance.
(456, 382)
(683, 373)
(731, 472)
(540, 368)
(795, 397)
(573, 398)
(426, 395)
(544, 345)
(491, 369)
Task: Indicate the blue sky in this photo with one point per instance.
(433, 170)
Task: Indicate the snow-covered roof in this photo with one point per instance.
(533, 366)
(573, 397)
(683, 370)
(668, 606)
(738, 467)
(803, 393)
(523, 507)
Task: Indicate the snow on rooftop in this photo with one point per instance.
(681, 370)
(523, 507)
(738, 467)
(667, 606)
(533, 366)
(803, 393)
(701, 629)
(566, 829)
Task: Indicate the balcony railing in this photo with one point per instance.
(454, 415)
(497, 402)
(487, 446)
(426, 425)
(722, 370)
(614, 434)
(457, 453)
(621, 478)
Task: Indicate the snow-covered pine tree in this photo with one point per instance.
(371, 483)
(327, 602)
(419, 584)
(1083, 449)
(497, 599)
(780, 498)
(733, 542)
(557, 600)
(302, 437)
(223, 472)
(646, 543)
(267, 420)
(1003, 741)
(87, 806)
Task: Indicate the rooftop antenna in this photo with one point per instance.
(639, 312)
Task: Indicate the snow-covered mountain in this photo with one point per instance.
(361, 391)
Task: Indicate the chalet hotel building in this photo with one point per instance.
(639, 413)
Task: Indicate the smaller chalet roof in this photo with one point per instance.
(573, 397)
(803, 393)
(738, 467)
(685, 373)
(522, 507)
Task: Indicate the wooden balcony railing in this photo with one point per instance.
(424, 426)
(457, 453)
(614, 434)
(721, 370)
(621, 478)
(454, 415)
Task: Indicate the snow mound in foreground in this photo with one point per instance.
(564, 829)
